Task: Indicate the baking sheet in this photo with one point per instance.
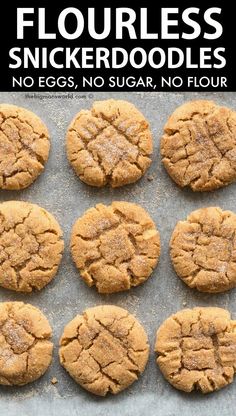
(62, 193)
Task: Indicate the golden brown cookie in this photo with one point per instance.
(198, 147)
(104, 350)
(24, 147)
(115, 247)
(196, 349)
(203, 250)
(109, 144)
(25, 346)
(31, 246)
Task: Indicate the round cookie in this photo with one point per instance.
(31, 246)
(196, 349)
(24, 147)
(25, 346)
(109, 144)
(104, 350)
(115, 247)
(198, 147)
(203, 250)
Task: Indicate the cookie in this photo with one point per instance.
(203, 250)
(104, 350)
(109, 144)
(115, 247)
(24, 147)
(30, 246)
(25, 346)
(196, 349)
(198, 147)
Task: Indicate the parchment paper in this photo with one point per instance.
(63, 194)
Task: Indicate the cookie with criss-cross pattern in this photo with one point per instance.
(31, 246)
(196, 349)
(198, 147)
(109, 144)
(105, 349)
(203, 250)
(24, 147)
(25, 346)
(115, 247)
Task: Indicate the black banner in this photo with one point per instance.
(113, 46)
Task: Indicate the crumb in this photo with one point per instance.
(54, 380)
(184, 303)
(150, 178)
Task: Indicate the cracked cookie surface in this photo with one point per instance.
(115, 247)
(198, 147)
(203, 250)
(24, 147)
(196, 349)
(25, 346)
(109, 144)
(31, 246)
(104, 350)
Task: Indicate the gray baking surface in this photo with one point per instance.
(62, 193)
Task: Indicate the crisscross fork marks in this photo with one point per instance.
(113, 345)
(31, 246)
(203, 159)
(23, 153)
(197, 349)
(112, 149)
(115, 247)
